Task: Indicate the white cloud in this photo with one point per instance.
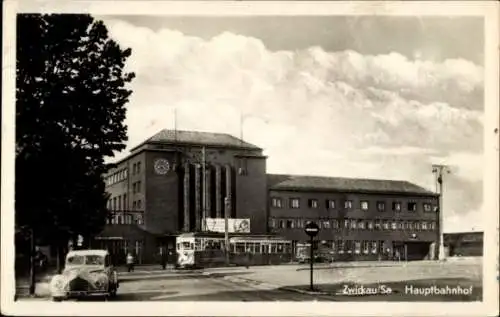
(314, 112)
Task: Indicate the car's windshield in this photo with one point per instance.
(87, 259)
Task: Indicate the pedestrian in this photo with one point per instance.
(130, 262)
(163, 259)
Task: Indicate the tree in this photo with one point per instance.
(70, 109)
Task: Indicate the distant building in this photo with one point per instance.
(359, 219)
(159, 191)
(464, 243)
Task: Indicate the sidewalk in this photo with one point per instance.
(356, 273)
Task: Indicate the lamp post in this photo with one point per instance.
(439, 171)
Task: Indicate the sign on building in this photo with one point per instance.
(234, 225)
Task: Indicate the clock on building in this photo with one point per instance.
(162, 166)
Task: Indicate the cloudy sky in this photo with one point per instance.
(376, 97)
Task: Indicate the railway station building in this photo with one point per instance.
(178, 181)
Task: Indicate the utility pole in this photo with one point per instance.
(227, 206)
(32, 263)
(439, 170)
(204, 197)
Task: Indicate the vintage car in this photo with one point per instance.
(86, 273)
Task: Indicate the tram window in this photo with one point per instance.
(197, 245)
(186, 245)
(280, 247)
(240, 247)
(178, 246)
(273, 247)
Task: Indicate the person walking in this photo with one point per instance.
(130, 262)
(163, 259)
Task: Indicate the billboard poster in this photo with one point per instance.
(234, 225)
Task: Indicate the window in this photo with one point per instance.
(410, 225)
(353, 224)
(364, 205)
(361, 224)
(134, 205)
(396, 206)
(282, 224)
(433, 225)
(399, 225)
(347, 224)
(366, 247)
(139, 219)
(134, 188)
(335, 224)
(340, 246)
(300, 223)
(125, 173)
(134, 168)
(412, 206)
(357, 247)
(370, 224)
(272, 223)
(114, 203)
(348, 204)
(139, 204)
(138, 186)
(138, 167)
(435, 208)
(374, 247)
(326, 224)
(290, 224)
(380, 206)
(348, 246)
(416, 225)
(125, 205)
(424, 225)
(386, 224)
(276, 202)
(330, 204)
(394, 225)
(427, 207)
(378, 224)
(313, 203)
(294, 202)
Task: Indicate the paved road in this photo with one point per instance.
(198, 287)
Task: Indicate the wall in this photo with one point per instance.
(340, 214)
(251, 191)
(161, 194)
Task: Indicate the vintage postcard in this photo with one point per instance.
(250, 158)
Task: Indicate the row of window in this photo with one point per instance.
(294, 203)
(116, 177)
(357, 247)
(124, 218)
(120, 203)
(377, 224)
(122, 174)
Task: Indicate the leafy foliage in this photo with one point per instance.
(70, 100)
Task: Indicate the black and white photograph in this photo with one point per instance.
(253, 154)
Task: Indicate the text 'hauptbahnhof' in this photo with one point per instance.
(182, 183)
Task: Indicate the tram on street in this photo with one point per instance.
(201, 250)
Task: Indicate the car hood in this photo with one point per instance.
(87, 274)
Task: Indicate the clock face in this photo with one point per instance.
(162, 166)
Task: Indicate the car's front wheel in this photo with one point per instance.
(57, 299)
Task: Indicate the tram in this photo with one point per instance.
(201, 250)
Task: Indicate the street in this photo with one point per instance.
(291, 283)
(198, 287)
